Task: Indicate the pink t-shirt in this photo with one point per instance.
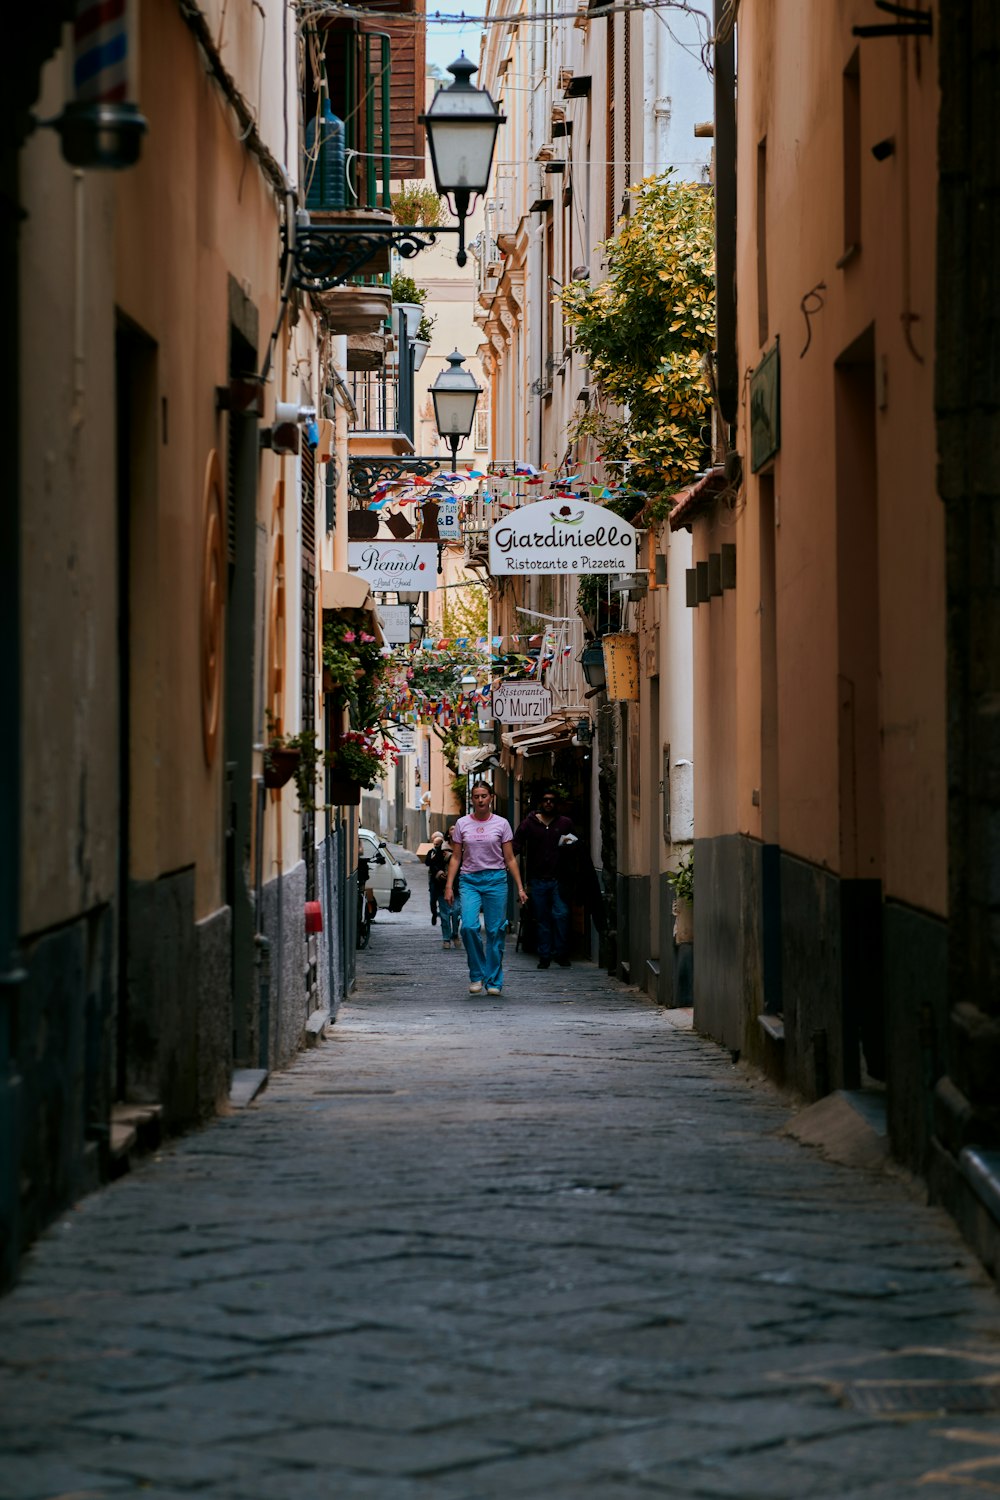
(482, 842)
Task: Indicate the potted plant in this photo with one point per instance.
(416, 203)
(357, 762)
(422, 342)
(681, 882)
(410, 297)
(291, 755)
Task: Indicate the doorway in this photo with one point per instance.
(137, 441)
(859, 714)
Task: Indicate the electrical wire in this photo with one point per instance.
(310, 9)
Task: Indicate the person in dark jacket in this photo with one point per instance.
(541, 838)
(437, 872)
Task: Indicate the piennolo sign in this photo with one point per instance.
(395, 565)
(562, 536)
(521, 703)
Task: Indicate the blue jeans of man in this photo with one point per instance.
(551, 917)
(449, 911)
(484, 891)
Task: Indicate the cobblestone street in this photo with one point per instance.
(551, 1244)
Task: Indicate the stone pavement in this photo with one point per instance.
(547, 1245)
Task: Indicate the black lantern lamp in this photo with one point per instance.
(98, 135)
(462, 124)
(455, 394)
(592, 662)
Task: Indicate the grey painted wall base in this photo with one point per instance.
(811, 977)
(283, 920)
(667, 991)
(215, 1010)
(952, 1190)
(161, 1003)
(728, 948)
(331, 940)
(915, 969)
(58, 1097)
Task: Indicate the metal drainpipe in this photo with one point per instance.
(12, 971)
(726, 372)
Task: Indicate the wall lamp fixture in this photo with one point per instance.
(461, 124)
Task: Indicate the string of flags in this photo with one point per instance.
(510, 489)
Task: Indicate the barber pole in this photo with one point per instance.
(100, 68)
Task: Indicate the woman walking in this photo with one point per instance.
(482, 850)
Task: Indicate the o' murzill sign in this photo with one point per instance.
(521, 703)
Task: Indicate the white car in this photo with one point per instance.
(385, 874)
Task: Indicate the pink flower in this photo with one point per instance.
(366, 640)
(349, 635)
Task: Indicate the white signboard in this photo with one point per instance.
(447, 520)
(404, 737)
(521, 703)
(562, 536)
(395, 565)
(395, 620)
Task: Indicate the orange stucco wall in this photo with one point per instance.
(195, 211)
(859, 586)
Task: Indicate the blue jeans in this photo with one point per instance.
(486, 891)
(552, 917)
(449, 916)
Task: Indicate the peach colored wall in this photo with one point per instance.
(791, 59)
(69, 691)
(195, 210)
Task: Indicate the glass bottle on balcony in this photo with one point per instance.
(324, 165)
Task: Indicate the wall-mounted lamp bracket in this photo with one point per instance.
(911, 22)
(326, 255)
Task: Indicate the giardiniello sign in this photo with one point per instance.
(558, 536)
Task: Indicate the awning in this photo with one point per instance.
(540, 737)
(691, 502)
(350, 591)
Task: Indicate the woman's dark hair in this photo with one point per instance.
(485, 784)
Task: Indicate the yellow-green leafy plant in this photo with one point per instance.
(416, 203)
(647, 331)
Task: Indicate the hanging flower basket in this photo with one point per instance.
(344, 793)
(280, 765)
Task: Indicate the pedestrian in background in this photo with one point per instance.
(448, 910)
(483, 853)
(540, 838)
(437, 872)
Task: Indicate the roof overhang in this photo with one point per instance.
(692, 502)
(350, 591)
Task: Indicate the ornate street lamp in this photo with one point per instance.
(462, 124)
(455, 394)
(592, 662)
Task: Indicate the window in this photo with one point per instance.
(852, 158)
(481, 431)
(762, 320)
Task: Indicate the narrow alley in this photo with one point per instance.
(550, 1244)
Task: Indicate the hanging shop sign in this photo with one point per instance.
(521, 703)
(395, 565)
(562, 536)
(404, 737)
(395, 621)
(448, 527)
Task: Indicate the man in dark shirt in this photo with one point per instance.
(540, 838)
(438, 858)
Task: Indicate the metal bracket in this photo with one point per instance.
(327, 255)
(365, 473)
(912, 22)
